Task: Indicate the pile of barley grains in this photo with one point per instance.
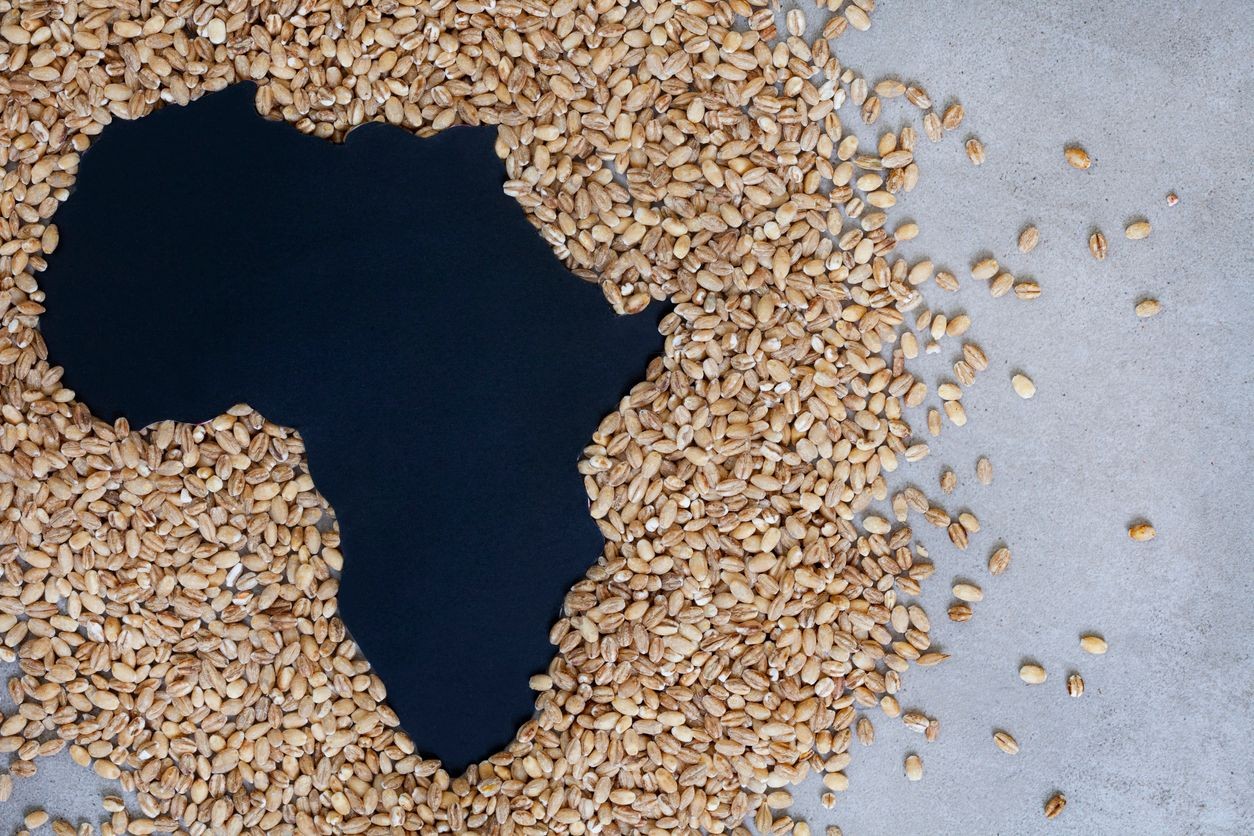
(170, 593)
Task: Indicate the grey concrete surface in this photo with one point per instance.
(1132, 419)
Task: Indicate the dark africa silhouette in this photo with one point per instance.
(386, 299)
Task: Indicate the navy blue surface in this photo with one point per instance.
(385, 298)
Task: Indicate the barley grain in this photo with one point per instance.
(1023, 386)
(1077, 157)
(1006, 742)
(975, 151)
(1075, 685)
(1097, 245)
(1093, 644)
(1028, 239)
(1032, 674)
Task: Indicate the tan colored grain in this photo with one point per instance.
(1093, 644)
(968, 593)
(984, 470)
(1077, 157)
(1142, 531)
(1147, 308)
(1032, 674)
(1075, 685)
(1006, 742)
(1097, 245)
(1023, 386)
(999, 561)
(953, 117)
(1055, 805)
(914, 767)
(1137, 230)
(975, 151)
(1028, 239)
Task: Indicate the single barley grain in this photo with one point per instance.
(984, 470)
(1023, 386)
(1055, 805)
(985, 268)
(1137, 230)
(1075, 685)
(1077, 157)
(1097, 246)
(968, 592)
(1028, 239)
(1033, 674)
(1147, 308)
(1006, 742)
(1093, 644)
(1001, 285)
(999, 561)
(914, 767)
(953, 117)
(1141, 532)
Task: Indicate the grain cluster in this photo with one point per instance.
(169, 593)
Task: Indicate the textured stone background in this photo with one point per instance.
(1132, 418)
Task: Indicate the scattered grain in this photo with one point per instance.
(1006, 742)
(1097, 245)
(1055, 805)
(1033, 674)
(953, 117)
(968, 592)
(1075, 685)
(1093, 644)
(914, 767)
(1023, 386)
(999, 561)
(1141, 532)
(1077, 157)
(1147, 308)
(1137, 230)
(1028, 239)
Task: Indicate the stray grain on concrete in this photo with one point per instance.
(1077, 157)
(1006, 742)
(1142, 532)
(1093, 644)
(1028, 239)
(1023, 386)
(999, 561)
(1097, 246)
(1054, 806)
(1147, 308)
(1075, 685)
(1032, 674)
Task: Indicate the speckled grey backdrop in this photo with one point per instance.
(1132, 418)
